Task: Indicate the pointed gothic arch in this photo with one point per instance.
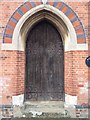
(27, 6)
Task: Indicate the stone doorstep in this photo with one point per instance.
(50, 107)
(41, 109)
(48, 119)
(61, 103)
(54, 109)
(44, 104)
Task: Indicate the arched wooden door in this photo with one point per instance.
(44, 63)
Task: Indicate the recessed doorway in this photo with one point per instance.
(44, 63)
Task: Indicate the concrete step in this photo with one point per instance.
(42, 109)
(45, 106)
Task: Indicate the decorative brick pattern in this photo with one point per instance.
(15, 18)
(59, 5)
(7, 111)
(82, 111)
(7, 40)
(73, 18)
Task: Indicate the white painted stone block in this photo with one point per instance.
(70, 100)
(18, 100)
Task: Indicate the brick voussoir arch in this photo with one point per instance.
(20, 11)
(73, 17)
(25, 7)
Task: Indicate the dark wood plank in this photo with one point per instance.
(44, 63)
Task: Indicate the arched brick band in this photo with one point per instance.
(77, 24)
(8, 33)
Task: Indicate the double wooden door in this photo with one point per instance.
(44, 63)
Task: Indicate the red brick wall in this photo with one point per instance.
(7, 9)
(76, 71)
(20, 72)
(68, 73)
(12, 70)
(11, 74)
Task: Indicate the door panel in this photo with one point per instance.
(44, 63)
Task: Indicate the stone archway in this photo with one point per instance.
(28, 6)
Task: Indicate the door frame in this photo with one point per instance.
(61, 22)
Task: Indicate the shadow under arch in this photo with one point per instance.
(55, 20)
